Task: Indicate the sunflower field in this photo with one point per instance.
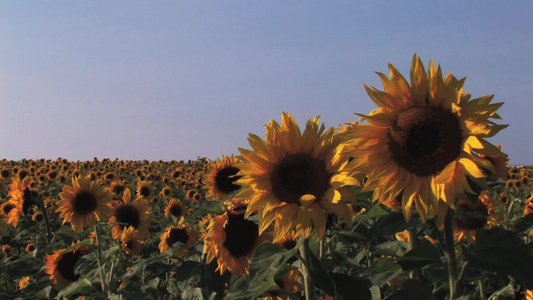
(409, 202)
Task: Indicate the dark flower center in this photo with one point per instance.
(177, 235)
(117, 189)
(425, 139)
(65, 265)
(127, 215)
(470, 215)
(241, 235)
(7, 208)
(145, 191)
(175, 210)
(289, 244)
(224, 179)
(84, 203)
(297, 175)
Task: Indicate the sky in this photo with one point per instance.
(178, 80)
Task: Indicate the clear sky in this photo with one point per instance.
(181, 79)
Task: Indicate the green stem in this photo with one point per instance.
(308, 283)
(99, 259)
(450, 253)
(46, 221)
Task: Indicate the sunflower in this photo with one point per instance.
(7, 249)
(232, 239)
(423, 142)
(22, 197)
(127, 213)
(289, 283)
(221, 176)
(175, 208)
(85, 203)
(60, 265)
(131, 244)
(182, 233)
(30, 247)
(293, 180)
(484, 212)
(23, 282)
(144, 189)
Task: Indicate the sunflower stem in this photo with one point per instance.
(308, 283)
(450, 253)
(99, 259)
(46, 222)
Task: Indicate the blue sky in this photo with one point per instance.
(181, 79)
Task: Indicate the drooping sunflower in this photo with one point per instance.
(127, 213)
(221, 176)
(232, 239)
(422, 143)
(85, 203)
(484, 212)
(60, 265)
(294, 179)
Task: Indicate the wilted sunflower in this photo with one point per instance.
(221, 177)
(470, 216)
(293, 180)
(423, 142)
(127, 213)
(182, 233)
(232, 239)
(60, 265)
(85, 203)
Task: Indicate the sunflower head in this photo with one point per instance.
(425, 142)
(61, 265)
(128, 213)
(232, 239)
(175, 209)
(183, 233)
(483, 212)
(293, 179)
(131, 244)
(85, 203)
(221, 176)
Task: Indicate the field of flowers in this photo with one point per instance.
(409, 202)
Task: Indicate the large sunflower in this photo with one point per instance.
(221, 177)
(232, 239)
(423, 143)
(127, 213)
(60, 265)
(293, 180)
(85, 203)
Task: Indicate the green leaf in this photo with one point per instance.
(393, 223)
(392, 249)
(81, 287)
(414, 289)
(421, 255)
(502, 251)
(320, 275)
(376, 211)
(347, 286)
(384, 270)
(266, 262)
(189, 269)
